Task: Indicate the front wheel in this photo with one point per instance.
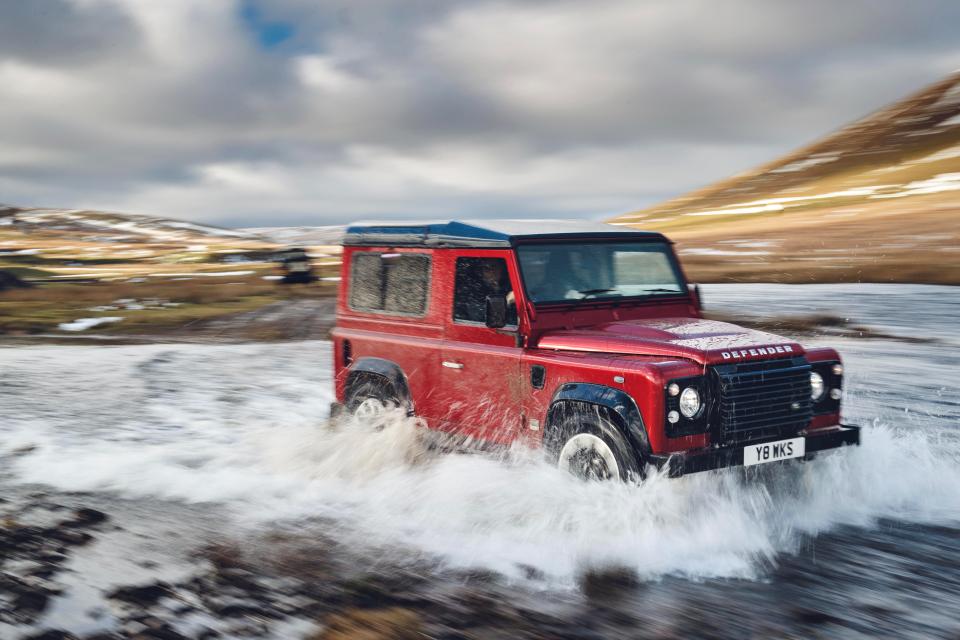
(592, 448)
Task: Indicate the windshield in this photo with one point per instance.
(591, 270)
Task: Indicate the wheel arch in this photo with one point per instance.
(616, 403)
(390, 372)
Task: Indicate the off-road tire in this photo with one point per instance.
(371, 388)
(590, 446)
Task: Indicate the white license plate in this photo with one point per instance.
(773, 451)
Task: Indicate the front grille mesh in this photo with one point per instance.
(763, 399)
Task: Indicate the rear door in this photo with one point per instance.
(480, 367)
(388, 312)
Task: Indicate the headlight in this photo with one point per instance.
(816, 386)
(689, 402)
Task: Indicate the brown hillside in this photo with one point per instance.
(875, 201)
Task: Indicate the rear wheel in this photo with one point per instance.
(591, 447)
(370, 398)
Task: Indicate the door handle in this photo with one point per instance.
(452, 365)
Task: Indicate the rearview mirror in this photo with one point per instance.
(496, 311)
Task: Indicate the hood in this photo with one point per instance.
(704, 341)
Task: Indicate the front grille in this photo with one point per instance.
(760, 400)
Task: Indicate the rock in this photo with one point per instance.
(163, 633)
(30, 603)
(69, 536)
(85, 517)
(142, 595)
(812, 616)
(53, 634)
(235, 608)
(599, 584)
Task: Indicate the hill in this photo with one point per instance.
(93, 271)
(878, 200)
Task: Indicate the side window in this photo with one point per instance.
(390, 283)
(477, 278)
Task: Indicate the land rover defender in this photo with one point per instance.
(582, 338)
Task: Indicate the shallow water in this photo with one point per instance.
(241, 428)
(911, 310)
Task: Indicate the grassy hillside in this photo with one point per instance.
(879, 200)
(136, 275)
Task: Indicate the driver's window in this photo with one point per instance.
(477, 278)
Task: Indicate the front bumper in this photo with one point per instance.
(680, 464)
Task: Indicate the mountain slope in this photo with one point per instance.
(114, 227)
(876, 200)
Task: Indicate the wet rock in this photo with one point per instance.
(240, 579)
(234, 608)
(531, 573)
(30, 603)
(53, 634)
(247, 629)
(163, 633)
(69, 536)
(600, 584)
(813, 616)
(142, 595)
(85, 517)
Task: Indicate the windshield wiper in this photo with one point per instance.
(661, 290)
(586, 293)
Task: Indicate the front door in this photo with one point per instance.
(480, 367)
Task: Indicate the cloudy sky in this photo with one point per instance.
(255, 113)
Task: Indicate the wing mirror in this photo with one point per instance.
(695, 294)
(496, 311)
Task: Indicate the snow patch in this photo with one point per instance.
(82, 324)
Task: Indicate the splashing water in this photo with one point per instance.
(245, 427)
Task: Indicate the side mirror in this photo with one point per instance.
(695, 293)
(496, 311)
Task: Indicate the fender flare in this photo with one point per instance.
(389, 371)
(616, 400)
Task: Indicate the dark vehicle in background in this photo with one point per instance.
(583, 338)
(296, 267)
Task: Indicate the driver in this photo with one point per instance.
(485, 277)
(495, 281)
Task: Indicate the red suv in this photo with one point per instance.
(584, 338)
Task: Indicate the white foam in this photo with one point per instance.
(245, 427)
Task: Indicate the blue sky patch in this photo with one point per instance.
(269, 34)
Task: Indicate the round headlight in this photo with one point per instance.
(816, 386)
(689, 402)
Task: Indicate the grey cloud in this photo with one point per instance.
(61, 32)
(393, 107)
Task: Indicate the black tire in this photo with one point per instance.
(371, 387)
(594, 439)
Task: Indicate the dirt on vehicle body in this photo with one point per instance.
(583, 338)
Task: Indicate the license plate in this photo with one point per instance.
(773, 451)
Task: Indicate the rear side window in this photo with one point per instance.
(390, 283)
